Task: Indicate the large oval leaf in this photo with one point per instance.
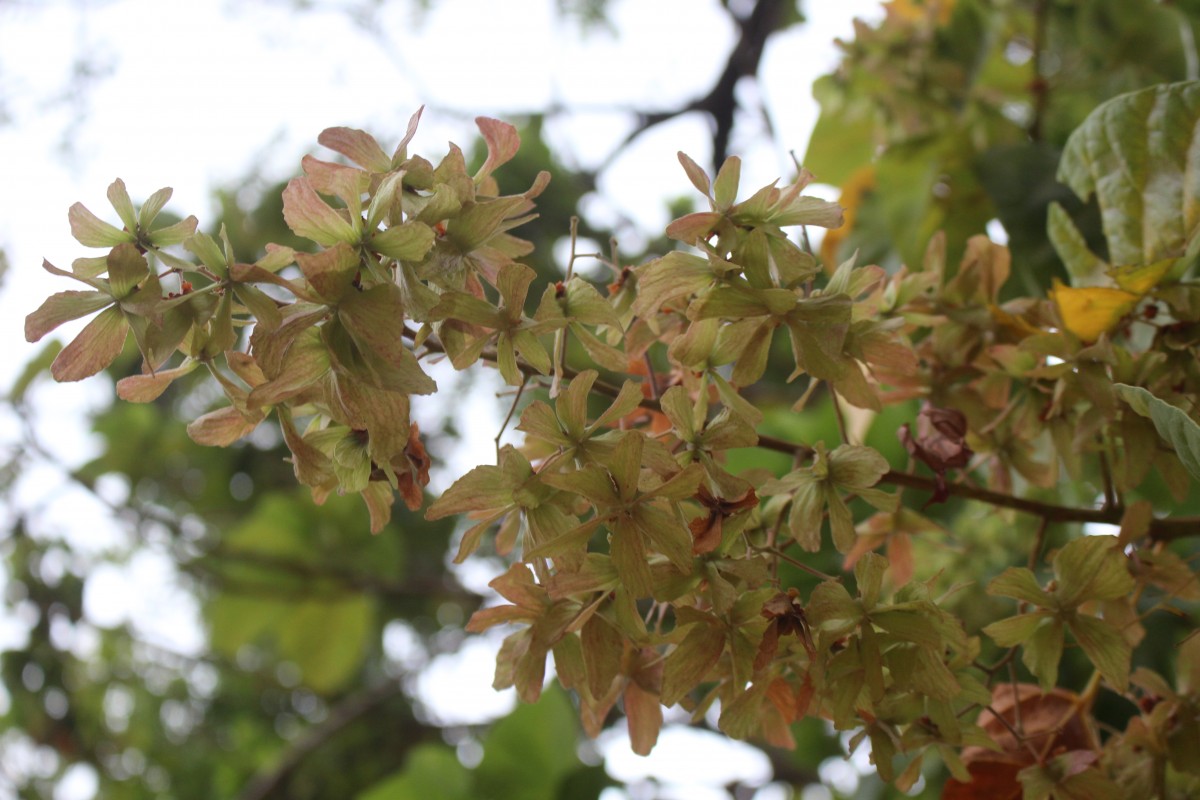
(1133, 152)
(1172, 424)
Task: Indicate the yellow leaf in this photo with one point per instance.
(1141, 278)
(916, 10)
(1090, 311)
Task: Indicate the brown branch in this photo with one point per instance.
(1039, 87)
(1038, 543)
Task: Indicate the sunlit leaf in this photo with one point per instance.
(96, 346)
(1091, 311)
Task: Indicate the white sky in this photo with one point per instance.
(195, 95)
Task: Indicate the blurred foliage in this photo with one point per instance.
(953, 113)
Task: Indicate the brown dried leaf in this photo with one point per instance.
(940, 443)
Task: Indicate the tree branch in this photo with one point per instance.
(1162, 530)
(720, 104)
(340, 716)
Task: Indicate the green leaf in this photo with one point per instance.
(1067, 239)
(532, 350)
(676, 274)
(695, 173)
(1020, 584)
(312, 467)
(221, 428)
(600, 351)
(480, 221)
(540, 421)
(818, 327)
(375, 320)
(330, 272)
(690, 662)
(627, 547)
(1106, 648)
(154, 204)
(739, 301)
(571, 404)
(62, 307)
(1172, 424)
(96, 346)
(523, 754)
(306, 362)
(665, 534)
(118, 195)
(832, 609)
(726, 184)
(1015, 630)
(1135, 153)
(358, 146)
(805, 519)
(680, 486)
(205, 248)
(407, 242)
(1043, 651)
(586, 305)
(91, 231)
(868, 572)
(146, 388)
(629, 398)
(734, 401)
(171, 235)
(234, 620)
(430, 770)
(483, 488)
(462, 306)
(309, 216)
(855, 467)
(602, 648)
(914, 626)
(592, 482)
(740, 718)
(1091, 568)
(328, 640)
(844, 137)
(259, 304)
(126, 269)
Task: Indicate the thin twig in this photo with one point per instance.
(1039, 87)
(511, 410)
(1110, 493)
(1038, 543)
(782, 556)
(651, 376)
(837, 412)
